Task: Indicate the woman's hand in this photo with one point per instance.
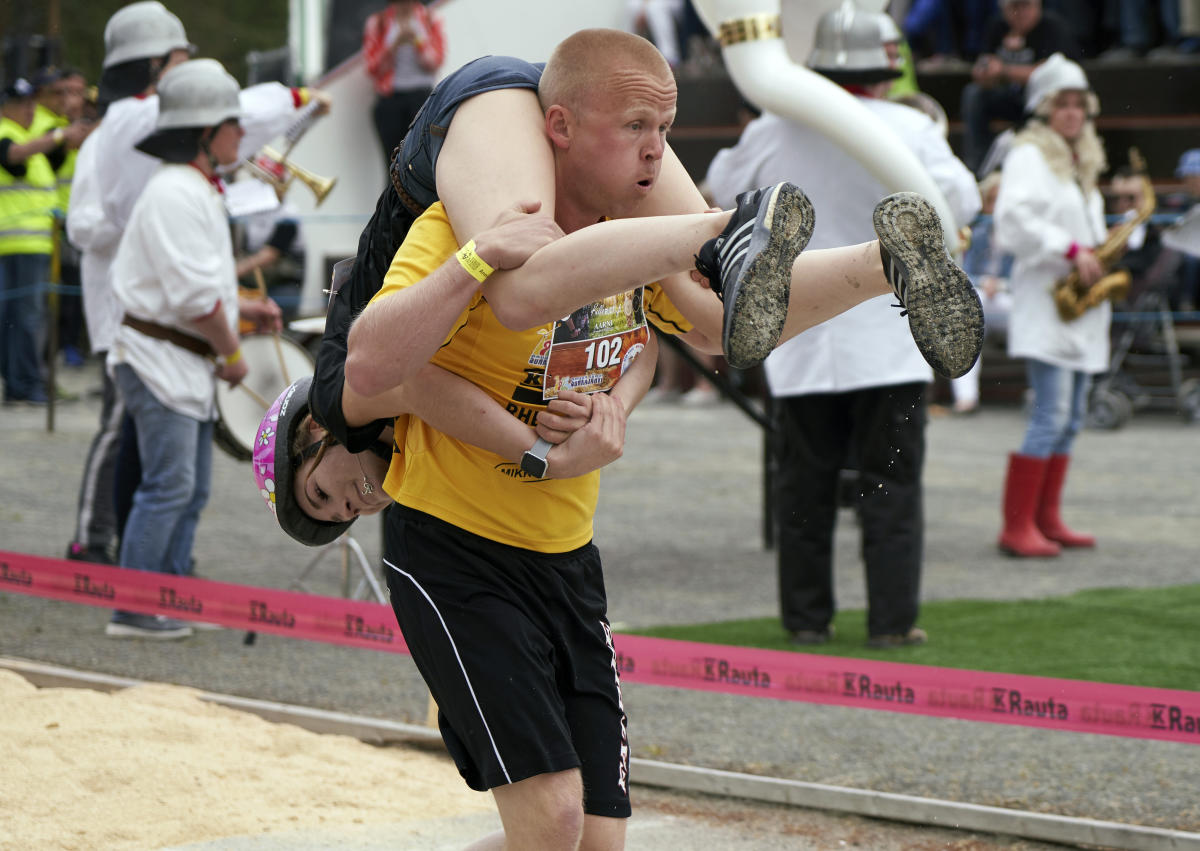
(1088, 266)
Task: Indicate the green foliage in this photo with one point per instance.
(1142, 637)
(222, 29)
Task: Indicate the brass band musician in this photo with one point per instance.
(1050, 215)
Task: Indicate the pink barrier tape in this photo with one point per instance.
(1055, 704)
(267, 610)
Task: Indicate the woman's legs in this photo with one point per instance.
(1050, 420)
(480, 176)
(167, 445)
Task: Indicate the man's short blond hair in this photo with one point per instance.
(584, 61)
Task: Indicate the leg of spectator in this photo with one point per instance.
(96, 522)
(889, 425)
(26, 331)
(1135, 25)
(179, 558)
(167, 446)
(810, 450)
(661, 18)
(127, 475)
(965, 390)
(1169, 17)
(976, 136)
(6, 339)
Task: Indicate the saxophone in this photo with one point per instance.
(1071, 297)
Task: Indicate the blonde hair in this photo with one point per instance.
(584, 62)
(1082, 162)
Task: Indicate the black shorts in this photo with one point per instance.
(516, 650)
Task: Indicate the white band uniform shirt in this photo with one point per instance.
(1039, 214)
(110, 175)
(174, 264)
(869, 345)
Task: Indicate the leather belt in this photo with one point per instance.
(196, 345)
(394, 172)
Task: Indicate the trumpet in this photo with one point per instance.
(273, 168)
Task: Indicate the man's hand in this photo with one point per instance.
(233, 372)
(75, 132)
(264, 313)
(323, 99)
(597, 444)
(516, 234)
(564, 416)
(988, 70)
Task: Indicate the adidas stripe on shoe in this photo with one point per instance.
(750, 267)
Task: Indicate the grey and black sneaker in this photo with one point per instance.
(750, 267)
(136, 625)
(944, 313)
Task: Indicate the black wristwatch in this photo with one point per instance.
(533, 462)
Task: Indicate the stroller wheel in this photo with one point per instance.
(1109, 409)
(1189, 400)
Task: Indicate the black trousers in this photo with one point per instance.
(393, 114)
(879, 431)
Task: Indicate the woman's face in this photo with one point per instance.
(225, 141)
(334, 491)
(1068, 114)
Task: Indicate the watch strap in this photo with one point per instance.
(533, 461)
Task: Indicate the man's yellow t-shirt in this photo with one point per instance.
(462, 484)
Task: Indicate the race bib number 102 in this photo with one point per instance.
(594, 346)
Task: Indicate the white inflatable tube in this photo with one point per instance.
(768, 78)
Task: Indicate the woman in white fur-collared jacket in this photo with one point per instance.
(1050, 215)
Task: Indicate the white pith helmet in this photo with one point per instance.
(1056, 74)
(142, 30)
(848, 46)
(197, 93)
(888, 31)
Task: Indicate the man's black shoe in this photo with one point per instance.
(944, 313)
(811, 636)
(750, 267)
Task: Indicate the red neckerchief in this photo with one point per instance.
(855, 89)
(214, 179)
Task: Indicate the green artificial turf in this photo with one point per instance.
(1145, 637)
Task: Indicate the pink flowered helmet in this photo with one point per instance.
(275, 469)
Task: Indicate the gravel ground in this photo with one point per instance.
(681, 533)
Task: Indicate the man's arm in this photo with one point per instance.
(60, 138)
(398, 334)
(456, 407)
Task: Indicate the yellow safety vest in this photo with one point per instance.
(26, 203)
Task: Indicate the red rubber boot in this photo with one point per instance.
(1049, 522)
(1022, 493)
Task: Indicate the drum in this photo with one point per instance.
(274, 364)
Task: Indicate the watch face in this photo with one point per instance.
(533, 465)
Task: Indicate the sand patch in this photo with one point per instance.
(154, 766)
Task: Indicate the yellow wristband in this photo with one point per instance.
(58, 135)
(229, 360)
(473, 263)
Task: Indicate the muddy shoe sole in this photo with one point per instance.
(755, 314)
(945, 315)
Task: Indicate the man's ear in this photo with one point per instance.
(558, 126)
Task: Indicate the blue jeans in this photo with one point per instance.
(23, 324)
(425, 137)
(176, 454)
(1136, 17)
(1059, 404)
